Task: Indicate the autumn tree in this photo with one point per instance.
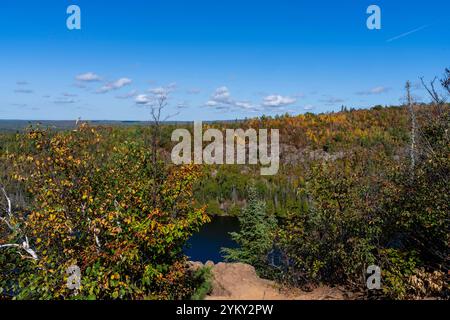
(92, 207)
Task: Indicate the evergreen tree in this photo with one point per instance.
(256, 235)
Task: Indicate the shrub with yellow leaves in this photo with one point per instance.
(103, 205)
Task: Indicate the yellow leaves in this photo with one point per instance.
(18, 177)
(115, 276)
(310, 134)
(93, 202)
(127, 220)
(111, 216)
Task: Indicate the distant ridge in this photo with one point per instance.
(20, 125)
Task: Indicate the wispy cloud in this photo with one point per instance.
(247, 105)
(120, 83)
(64, 101)
(154, 94)
(329, 100)
(221, 100)
(67, 94)
(183, 105)
(88, 77)
(26, 91)
(211, 103)
(163, 91)
(407, 33)
(276, 100)
(376, 90)
(222, 94)
(22, 83)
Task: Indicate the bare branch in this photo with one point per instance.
(171, 116)
(8, 245)
(26, 247)
(25, 244)
(446, 80)
(413, 126)
(437, 99)
(8, 200)
(6, 221)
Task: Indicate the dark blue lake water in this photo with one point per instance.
(206, 244)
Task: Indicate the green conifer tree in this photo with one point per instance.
(256, 235)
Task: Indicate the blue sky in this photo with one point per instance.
(218, 59)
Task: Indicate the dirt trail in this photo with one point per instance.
(238, 281)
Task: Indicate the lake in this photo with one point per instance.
(207, 243)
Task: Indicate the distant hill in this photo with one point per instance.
(19, 125)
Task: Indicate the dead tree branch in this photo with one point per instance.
(436, 98)
(446, 80)
(8, 220)
(412, 152)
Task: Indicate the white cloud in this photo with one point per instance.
(245, 105)
(88, 77)
(329, 100)
(158, 91)
(221, 99)
(222, 94)
(183, 105)
(211, 103)
(122, 82)
(163, 91)
(376, 90)
(155, 94)
(65, 101)
(142, 99)
(277, 101)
